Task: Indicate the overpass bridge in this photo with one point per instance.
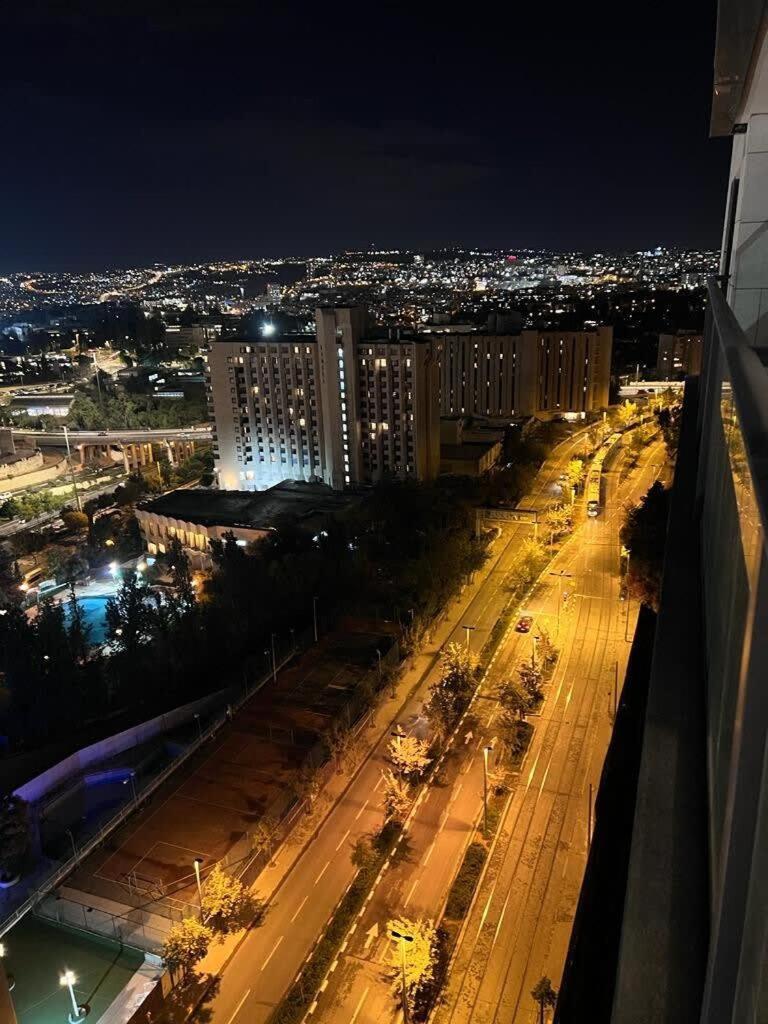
(135, 448)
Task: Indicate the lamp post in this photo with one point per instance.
(199, 727)
(468, 629)
(402, 939)
(198, 862)
(560, 575)
(71, 471)
(67, 980)
(486, 751)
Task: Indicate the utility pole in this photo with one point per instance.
(72, 472)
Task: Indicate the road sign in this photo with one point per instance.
(506, 515)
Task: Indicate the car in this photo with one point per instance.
(524, 624)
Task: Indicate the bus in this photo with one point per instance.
(595, 475)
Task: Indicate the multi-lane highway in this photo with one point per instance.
(521, 920)
(269, 957)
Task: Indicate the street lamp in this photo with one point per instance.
(402, 939)
(67, 980)
(314, 616)
(199, 727)
(274, 661)
(132, 779)
(560, 575)
(198, 862)
(486, 751)
(468, 630)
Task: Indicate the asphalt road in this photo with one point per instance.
(270, 956)
(521, 921)
(417, 885)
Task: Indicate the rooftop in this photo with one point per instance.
(291, 501)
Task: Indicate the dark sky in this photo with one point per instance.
(228, 129)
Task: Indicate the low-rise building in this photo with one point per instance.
(196, 517)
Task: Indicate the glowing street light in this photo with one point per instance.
(67, 980)
(268, 329)
(402, 939)
(198, 862)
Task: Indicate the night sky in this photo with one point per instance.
(231, 130)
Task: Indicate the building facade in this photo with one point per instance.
(343, 407)
(528, 374)
(694, 934)
(679, 355)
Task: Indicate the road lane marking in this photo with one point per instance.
(299, 908)
(376, 787)
(486, 909)
(272, 952)
(361, 810)
(359, 1006)
(239, 1007)
(501, 918)
(327, 865)
(429, 853)
(412, 890)
(342, 840)
(533, 768)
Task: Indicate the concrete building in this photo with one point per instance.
(528, 374)
(343, 407)
(690, 946)
(679, 355)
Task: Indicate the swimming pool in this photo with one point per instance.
(94, 613)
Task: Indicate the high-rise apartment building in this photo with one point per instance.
(679, 355)
(344, 407)
(528, 374)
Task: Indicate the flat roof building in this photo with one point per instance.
(345, 407)
(195, 517)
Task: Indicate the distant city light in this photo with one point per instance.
(268, 330)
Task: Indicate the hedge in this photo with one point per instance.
(465, 883)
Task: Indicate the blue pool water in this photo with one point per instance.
(94, 610)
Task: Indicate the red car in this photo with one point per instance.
(524, 624)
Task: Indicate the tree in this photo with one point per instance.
(185, 945)
(558, 520)
(546, 651)
(626, 413)
(14, 834)
(514, 699)
(75, 521)
(128, 615)
(338, 739)
(181, 573)
(263, 835)
(575, 472)
(644, 533)
(450, 694)
(79, 629)
(224, 899)
(530, 679)
(397, 797)
(305, 785)
(544, 995)
(409, 756)
(414, 960)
